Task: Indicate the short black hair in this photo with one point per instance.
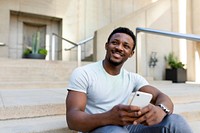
(123, 30)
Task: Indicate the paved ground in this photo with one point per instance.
(25, 103)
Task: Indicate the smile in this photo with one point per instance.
(117, 54)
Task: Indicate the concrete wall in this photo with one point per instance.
(80, 18)
(162, 15)
(153, 16)
(4, 28)
(196, 30)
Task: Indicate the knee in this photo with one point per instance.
(176, 123)
(175, 119)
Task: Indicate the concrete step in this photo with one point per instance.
(21, 103)
(180, 92)
(33, 84)
(195, 126)
(47, 124)
(32, 73)
(33, 111)
(191, 111)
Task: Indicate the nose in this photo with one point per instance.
(119, 46)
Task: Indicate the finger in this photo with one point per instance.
(127, 118)
(151, 120)
(135, 114)
(140, 120)
(152, 116)
(129, 108)
(144, 117)
(134, 108)
(146, 109)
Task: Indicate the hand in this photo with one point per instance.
(150, 115)
(124, 114)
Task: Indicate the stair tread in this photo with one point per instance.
(38, 124)
(21, 103)
(195, 126)
(189, 107)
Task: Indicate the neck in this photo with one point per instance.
(111, 69)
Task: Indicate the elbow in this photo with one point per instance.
(70, 126)
(70, 123)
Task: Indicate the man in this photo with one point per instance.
(98, 94)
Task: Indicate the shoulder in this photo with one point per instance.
(133, 75)
(137, 80)
(87, 69)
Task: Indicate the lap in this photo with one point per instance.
(170, 124)
(111, 129)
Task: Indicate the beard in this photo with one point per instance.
(115, 63)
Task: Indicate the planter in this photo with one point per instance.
(35, 56)
(178, 75)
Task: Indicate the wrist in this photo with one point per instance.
(164, 108)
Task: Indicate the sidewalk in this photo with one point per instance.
(21, 107)
(24, 103)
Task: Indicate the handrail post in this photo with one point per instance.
(79, 55)
(53, 48)
(75, 45)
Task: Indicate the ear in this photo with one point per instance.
(132, 53)
(106, 46)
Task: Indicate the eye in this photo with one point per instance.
(114, 42)
(126, 46)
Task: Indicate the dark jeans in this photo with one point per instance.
(171, 124)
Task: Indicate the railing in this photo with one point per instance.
(78, 45)
(164, 33)
(2, 44)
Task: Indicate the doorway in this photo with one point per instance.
(29, 30)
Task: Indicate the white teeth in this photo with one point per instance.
(117, 54)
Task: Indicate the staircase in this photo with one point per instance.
(32, 95)
(32, 73)
(33, 92)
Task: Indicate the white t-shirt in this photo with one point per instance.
(104, 90)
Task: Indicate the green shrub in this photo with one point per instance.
(173, 61)
(35, 46)
(27, 51)
(42, 51)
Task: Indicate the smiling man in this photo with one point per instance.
(98, 94)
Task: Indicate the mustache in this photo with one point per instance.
(118, 52)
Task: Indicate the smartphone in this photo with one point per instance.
(140, 99)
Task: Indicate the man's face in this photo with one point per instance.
(119, 48)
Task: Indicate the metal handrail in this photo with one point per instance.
(86, 40)
(65, 39)
(165, 33)
(75, 45)
(168, 33)
(81, 43)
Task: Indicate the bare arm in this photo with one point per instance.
(78, 120)
(152, 114)
(158, 97)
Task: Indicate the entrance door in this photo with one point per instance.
(29, 30)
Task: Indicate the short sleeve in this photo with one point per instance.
(78, 80)
(139, 81)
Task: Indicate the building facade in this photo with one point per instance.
(77, 20)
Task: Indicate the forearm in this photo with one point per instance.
(81, 121)
(165, 100)
(158, 97)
